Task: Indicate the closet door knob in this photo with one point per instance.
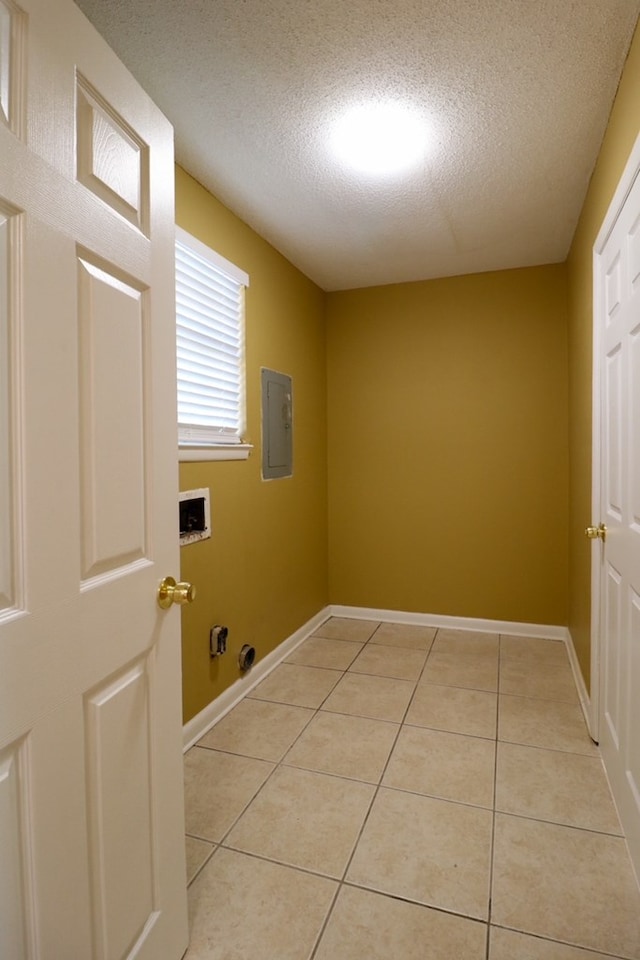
(597, 533)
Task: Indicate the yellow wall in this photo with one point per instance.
(448, 466)
(264, 571)
(623, 128)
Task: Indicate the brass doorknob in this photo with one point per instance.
(171, 592)
(597, 533)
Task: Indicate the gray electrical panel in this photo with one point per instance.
(277, 425)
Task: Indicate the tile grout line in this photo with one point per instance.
(589, 951)
(222, 843)
(378, 786)
(280, 763)
(447, 911)
(495, 797)
(563, 826)
(277, 763)
(340, 883)
(214, 847)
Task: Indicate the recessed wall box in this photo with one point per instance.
(195, 516)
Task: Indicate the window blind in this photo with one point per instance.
(210, 344)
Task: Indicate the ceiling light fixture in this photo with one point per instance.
(379, 138)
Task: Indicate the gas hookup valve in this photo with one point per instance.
(217, 641)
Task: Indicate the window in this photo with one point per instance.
(210, 352)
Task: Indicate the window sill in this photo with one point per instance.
(218, 451)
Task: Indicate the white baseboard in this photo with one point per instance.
(533, 630)
(196, 728)
(583, 693)
(216, 710)
(453, 623)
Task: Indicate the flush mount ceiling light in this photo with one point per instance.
(379, 138)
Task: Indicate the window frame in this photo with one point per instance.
(222, 447)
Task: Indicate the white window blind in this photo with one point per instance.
(210, 344)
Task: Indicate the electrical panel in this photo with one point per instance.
(277, 425)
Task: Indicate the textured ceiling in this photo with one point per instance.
(516, 94)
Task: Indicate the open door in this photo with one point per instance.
(616, 480)
(91, 800)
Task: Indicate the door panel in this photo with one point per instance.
(7, 414)
(612, 289)
(113, 360)
(613, 479)
(633, 766)
(91, 800)
(112, 160)
(613, 674)
(12, 22)
(633, 252)
(118, 724)
(16, 896)
(5, 59)
(634, 429)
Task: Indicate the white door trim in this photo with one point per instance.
(627, 180)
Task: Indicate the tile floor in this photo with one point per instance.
(395, 792)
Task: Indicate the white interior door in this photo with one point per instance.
(91, 802)
(617, 560)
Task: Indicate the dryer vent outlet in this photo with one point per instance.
(246, 657)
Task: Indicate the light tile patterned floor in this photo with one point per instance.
(395, 792)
